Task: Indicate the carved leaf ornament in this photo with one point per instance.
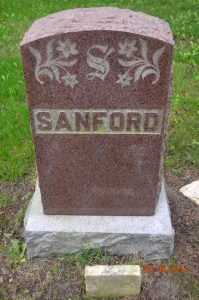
(138, 66)
(54, 67)
(141, 64)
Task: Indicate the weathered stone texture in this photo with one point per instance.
(113, 281)
(150, 237)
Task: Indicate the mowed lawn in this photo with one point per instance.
(16, 150)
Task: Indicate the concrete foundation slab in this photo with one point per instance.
(150, 237)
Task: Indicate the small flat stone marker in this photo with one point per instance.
(191, 191)
(113, 281)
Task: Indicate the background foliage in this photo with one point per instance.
(16, 151)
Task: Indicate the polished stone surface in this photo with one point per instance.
(151, 237)
(98, 63)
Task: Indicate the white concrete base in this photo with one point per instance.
(150, 237)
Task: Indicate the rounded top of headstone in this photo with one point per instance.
(100, 19)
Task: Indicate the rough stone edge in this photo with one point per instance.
(161, 29)
(151, 246)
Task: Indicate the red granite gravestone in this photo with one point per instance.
(98, 82)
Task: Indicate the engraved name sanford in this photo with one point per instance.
(98, 121)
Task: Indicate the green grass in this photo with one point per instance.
(16, 252)
(3, 200)
(16, 151)
(193, 286)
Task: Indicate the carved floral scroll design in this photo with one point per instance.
(136, 61)
(141, 64)
(55, 68)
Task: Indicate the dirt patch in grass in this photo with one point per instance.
(63, 277)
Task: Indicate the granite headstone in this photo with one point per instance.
(98, 83)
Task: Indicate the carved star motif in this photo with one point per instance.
(124, 79)
(70, 80)
(127, 48)
(67, 48)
